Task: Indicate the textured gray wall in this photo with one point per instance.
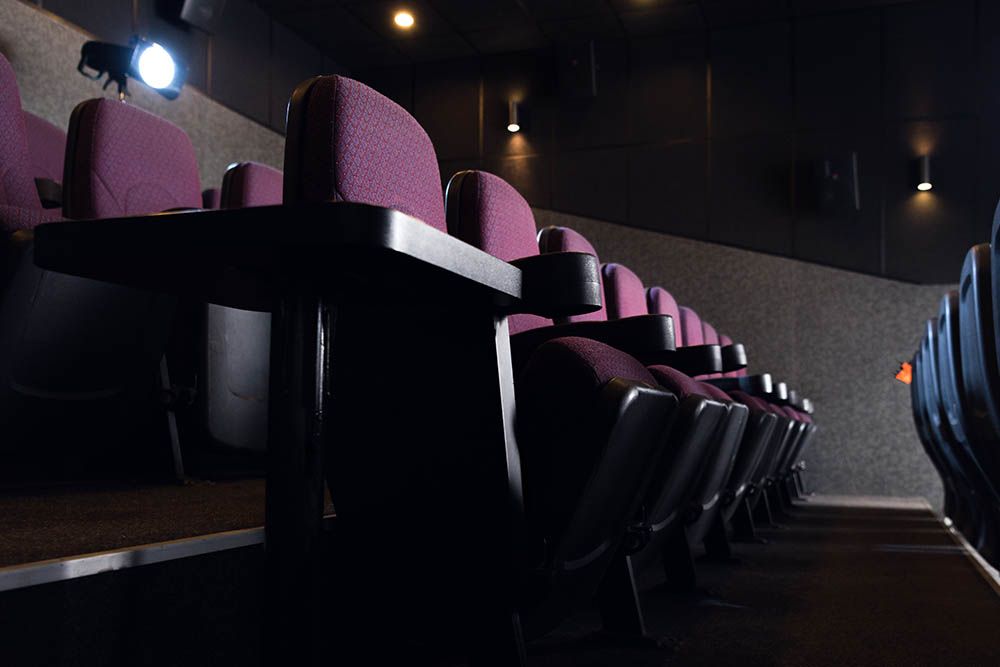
(835, 335)
(44, 51)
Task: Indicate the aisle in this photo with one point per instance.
(846, 581)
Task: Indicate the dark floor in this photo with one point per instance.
(835, 586)
(838, 585)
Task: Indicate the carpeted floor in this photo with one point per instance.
(843, 583)
(56, 522)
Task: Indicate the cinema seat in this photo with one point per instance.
(80, 360)
(955, 406)
(235, 374)
(963, 489)
(626, 297)
(210, 198)
(413, 518)
(46, 151)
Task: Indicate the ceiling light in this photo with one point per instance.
(404, 19)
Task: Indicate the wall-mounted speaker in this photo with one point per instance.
(204, 14)
(577, 69)
(831, 185)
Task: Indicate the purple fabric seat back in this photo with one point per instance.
(251, 184)
(46, 147)
(564, 239)
(487, 212)
(122, 160)
(726, 340)
(690, 326)
(20, 207)
(211, 198)
(623, 291)
(660, 302)
(346, 142)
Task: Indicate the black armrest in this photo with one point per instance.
(244, 257)
(692, 359)
(756, 385)
(794, 399)
(50, 192)
(559, 284)
(643, 336)
(780, 392)
(734, 357)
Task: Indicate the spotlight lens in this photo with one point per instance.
(156, 67)
(513, 127)
(404, 19)
(924, 187)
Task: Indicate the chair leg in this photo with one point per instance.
(762, 512)
(618, 599)
(744, 529)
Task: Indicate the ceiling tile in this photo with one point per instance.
(481, 14)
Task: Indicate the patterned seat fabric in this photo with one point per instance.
(624, 291)
(20, 207)
(660, 302)
(359, 146)
(251, 184)
(491, 215)
(122, 160)
(46, 147)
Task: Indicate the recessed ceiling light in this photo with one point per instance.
(404, 19)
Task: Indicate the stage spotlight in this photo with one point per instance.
(141, 59)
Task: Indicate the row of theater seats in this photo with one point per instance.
(955, 395)
(639, 434)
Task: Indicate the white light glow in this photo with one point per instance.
(923, 187)
(156, 67)
(513, 127)
(404, 19)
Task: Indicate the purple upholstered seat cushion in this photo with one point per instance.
(357, 145)
(211, 198)
(46, 147)
(624, 292)
(123, 160)
(660, 302)
(17, 185)
(714, 392)
(251, 184)
(755, 404)
(690, 327)
(582, 363)
(676, 382)
(492, 216)
(564, 239)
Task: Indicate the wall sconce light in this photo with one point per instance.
(514, 117)
(924, 179)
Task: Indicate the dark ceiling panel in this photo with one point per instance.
(835, 83)
(444, 47)
(721, 13)
(333, 28)
(667, 92)
(583, 28)
(929, 65)
(522, 37)
(561, 9)
(751, 79)
(675, 18)
(481, 14)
